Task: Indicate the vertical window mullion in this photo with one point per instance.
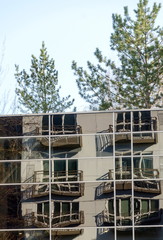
(132, 178)
(114, 180)
(50, 176)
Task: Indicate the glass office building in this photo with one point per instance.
(82, 176)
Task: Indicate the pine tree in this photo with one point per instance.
(137, 80)
(139, 44)
(94, 86)
(38, 91)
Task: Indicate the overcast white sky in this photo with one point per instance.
(71, 29)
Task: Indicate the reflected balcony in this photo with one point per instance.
(56, 176)
(147, 218)
(63, 220)
(68, 189)
(143, 124)
(106, 186)
(148, 186)
(139, 219)
(139, 173)
(108, 219)
(36, 220)
(33, 191)
(145, 186)
(59, 141)
(146, 137)
(69, 219)
(62, 189)
(57, 188)
(64, 176)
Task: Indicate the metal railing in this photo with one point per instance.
(146, 173)
(67, 219)
(62, 129)
(56, 176)
(62, 220)
(69, 189)
(139, 218)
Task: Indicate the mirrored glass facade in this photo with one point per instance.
(82, 176)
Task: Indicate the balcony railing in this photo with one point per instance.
(72, 175)
(139, 173)
(66, 189)
(68, 219)
(63, 220)
(141, 218)
(146, 173)
(73, 141)
(139, 186)
(32, 191)
(62, 129)
(149, 186)
(56, 176)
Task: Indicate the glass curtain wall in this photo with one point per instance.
(95, 175)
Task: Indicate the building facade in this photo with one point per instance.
(82, 176)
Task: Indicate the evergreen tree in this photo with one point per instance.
(137, 80)
(94, 86)
(38, 91)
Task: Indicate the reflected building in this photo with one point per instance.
(93, 175)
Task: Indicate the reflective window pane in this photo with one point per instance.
(124, 233)
(104, 145)
(25, 235)
(24, 148)
(11, 126)
(123, 168)
(123, 122)
(24, 171)
(149, 233)
(122, 144)
(19, 208)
